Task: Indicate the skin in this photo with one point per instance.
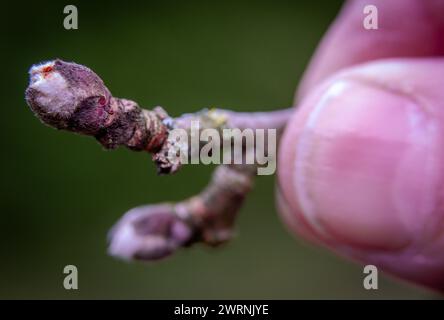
(361, 162)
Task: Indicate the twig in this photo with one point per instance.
(72, 97)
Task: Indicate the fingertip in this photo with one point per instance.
(361, 168)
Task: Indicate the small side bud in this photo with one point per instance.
(148, 233)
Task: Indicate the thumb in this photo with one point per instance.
(361, 167)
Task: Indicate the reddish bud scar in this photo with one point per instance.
(102, 100)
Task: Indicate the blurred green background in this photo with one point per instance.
(60, 193)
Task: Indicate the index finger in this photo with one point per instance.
(405, 28)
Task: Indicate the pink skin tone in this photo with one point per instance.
(361, 163)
